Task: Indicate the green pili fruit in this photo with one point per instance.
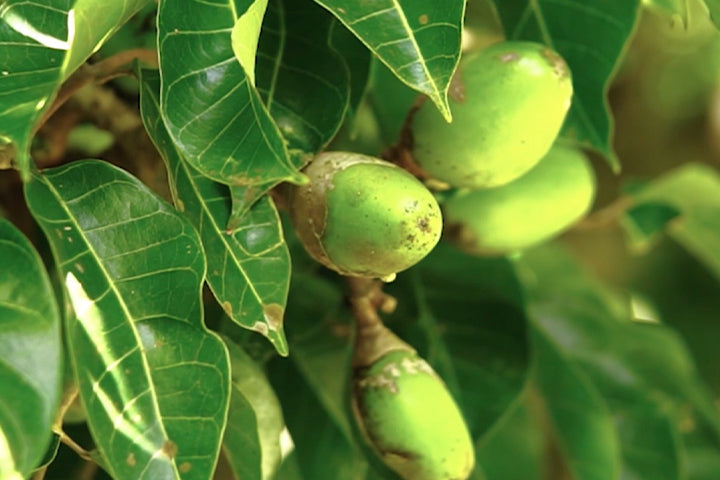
(362, 216)
(509, 103)
(542, 203)
(405, 413)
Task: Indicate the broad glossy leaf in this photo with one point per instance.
(694, 191)
(248, 270)
(465, 315)
(311, 384)
(245, 36)
(30, 355)
(303, 81)
(357, 58)
(153, 380)
(419, 40)
(255, 421)
(591, 36)
(391, 101)
(516, 447)
(643, 372)
(581, 419)
(211, 109)
(41, 43)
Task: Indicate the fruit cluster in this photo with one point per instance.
(511, 187)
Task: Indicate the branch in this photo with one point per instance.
(100, 72)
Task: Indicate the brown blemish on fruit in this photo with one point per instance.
(509, 57)
(424, 225)
(560, 68)
(456, 91)
(423, 19)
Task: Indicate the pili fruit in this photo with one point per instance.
(509, 103)
(362, 216)
(549, 198)
(405, 413)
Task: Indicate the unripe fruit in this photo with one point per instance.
(362, 216)
(540, 204)
(511, 103)
(407, 416)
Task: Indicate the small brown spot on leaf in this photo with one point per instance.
(227, 307)
(131, 460)
(424, 19)
(185, 467)
(170, 449)
(274, 316)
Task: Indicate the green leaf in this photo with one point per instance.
(573, 28)
(210, 108)
(694, 191)
(153, 380)
(516, 448)
(469, 324)
(642, 371)
(643, 223)
(357, 59)
(41, 43)
(312, 384)
(419, 40)
(248, 270)
(391, 101)
(245, 36)
(255, 421)
(583, 423)
(30, 356)
(302, 79)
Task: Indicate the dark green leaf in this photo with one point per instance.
(469, 324)
(591, 37)
(642, 371)
(645, 222)
(255, 422)
(208, 101)
(302, 79)
(154, 381)
(515, 449)
(390, 100)
(583, 423)
(694, 191)
(248, 270)
(30, 355)
(41, 44)
(357, 59)
(419, 40)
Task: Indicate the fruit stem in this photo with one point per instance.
(372, 338)
(365, 297)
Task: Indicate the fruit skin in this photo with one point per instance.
(362, 216)
(407, 416)
(511, 101)
(540, 204)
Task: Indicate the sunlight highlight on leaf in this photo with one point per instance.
(245, 35)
